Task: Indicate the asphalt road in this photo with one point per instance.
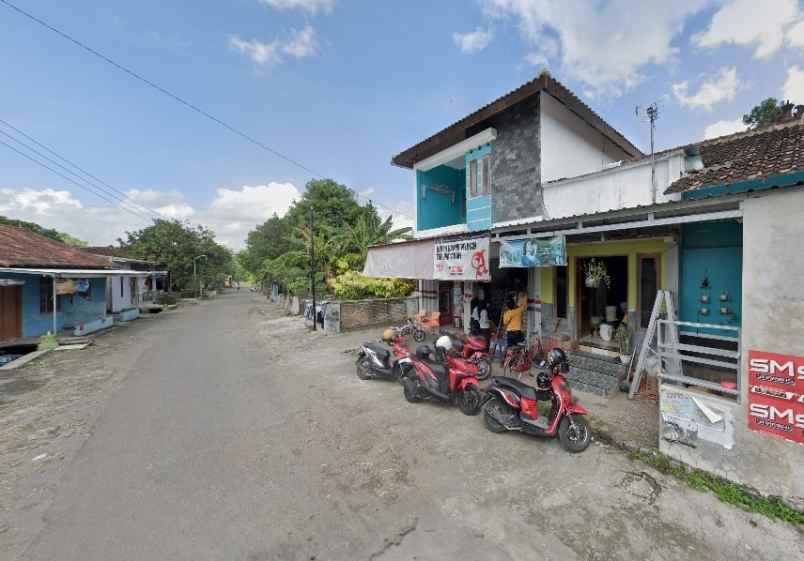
(236, 435)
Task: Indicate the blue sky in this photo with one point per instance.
(342, 85)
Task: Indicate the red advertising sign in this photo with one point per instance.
(776, 394)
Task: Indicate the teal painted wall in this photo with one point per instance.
(711, 250)
(437, 209)
(74, 310)
(478, 209)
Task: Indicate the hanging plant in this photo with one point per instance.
(597, 273)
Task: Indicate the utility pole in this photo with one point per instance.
(312, 263)
(652, 113)
(195, 279)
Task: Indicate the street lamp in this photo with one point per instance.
(195, 281)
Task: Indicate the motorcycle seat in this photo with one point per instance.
(438, 368)
(526, 391)
(457, 345)
(383, 352)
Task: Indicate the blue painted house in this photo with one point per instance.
(47, 286)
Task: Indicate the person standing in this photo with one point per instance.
(484, 321)
(513, 320)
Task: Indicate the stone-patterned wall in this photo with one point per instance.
(516, 163)
(357, 314)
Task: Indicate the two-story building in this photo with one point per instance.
(535, 192)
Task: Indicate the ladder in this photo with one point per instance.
(672, 364)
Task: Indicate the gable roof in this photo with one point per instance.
(457, 131)
(754, 155)
(22, 248)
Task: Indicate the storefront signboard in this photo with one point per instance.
(534, 252)
(462, 260)
(776, 394)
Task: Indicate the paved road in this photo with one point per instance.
(235, 435)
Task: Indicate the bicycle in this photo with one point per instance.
(520, 359)
(410, 328)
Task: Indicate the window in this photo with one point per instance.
(561, 292)
(480, 176)
(46, 296)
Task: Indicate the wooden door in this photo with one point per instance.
(10, 312)
(445, 303)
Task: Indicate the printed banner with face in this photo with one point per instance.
(776, 394)
(462, 260)
(534, 252)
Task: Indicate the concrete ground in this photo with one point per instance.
(226, 431)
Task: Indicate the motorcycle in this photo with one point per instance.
(380, 360)
(450, 380)
(475, 349)
(511, 405)
(410, 328)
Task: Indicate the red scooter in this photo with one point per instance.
(453, 380)
(511, 405)
(475, 349)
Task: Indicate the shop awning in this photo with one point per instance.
(403, 260)
(82, 273)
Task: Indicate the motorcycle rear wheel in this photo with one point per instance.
(469, 401)
(363, 368)
(502, 409)
(484, 369)
(575, 438)
(410, 389)
(419, 335)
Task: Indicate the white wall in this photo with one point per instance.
(626, 186)
(121, 301)
(569, 145)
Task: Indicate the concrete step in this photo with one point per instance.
(602, 365)
(592, 382)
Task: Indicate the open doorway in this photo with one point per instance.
(602, 305)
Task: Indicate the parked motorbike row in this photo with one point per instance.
(451, 371)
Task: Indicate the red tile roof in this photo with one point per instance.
(22, 248)
(457, 131)
(746, 156)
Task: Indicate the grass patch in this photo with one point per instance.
(727, 491)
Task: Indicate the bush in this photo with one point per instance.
(351, 285)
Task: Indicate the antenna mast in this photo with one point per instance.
(652, 114)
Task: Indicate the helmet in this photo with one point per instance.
(423, 351)
(543, 380)
(556, 359)
(444, 343)
(388, 335)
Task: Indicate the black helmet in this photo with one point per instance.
(556, 359)
(423, 351)
(543, 380)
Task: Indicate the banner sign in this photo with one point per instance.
(776, 394)
(65, 287)
(462, 260)
(534, 252)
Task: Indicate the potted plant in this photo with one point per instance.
(623, 339)
(596, 273)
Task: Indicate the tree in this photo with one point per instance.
(369, 230)
(764, 114)
(172, 245)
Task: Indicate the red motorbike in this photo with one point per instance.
(475, 349)
(453, 380)
(511, 405)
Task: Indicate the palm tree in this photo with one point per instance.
(369, 230)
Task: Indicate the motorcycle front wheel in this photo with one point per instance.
(410, 389)
(469, 401)
(575, 436)
(502, 409)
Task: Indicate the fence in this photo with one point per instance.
(358, 314)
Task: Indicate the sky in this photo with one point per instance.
(341, 86)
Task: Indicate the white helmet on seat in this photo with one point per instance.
(444, 343)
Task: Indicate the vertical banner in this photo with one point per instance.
(534, 252)
(462, 260)
(776, 394)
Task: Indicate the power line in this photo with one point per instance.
(103, 185)
(117, 200)
(176, 97)
(34, 160)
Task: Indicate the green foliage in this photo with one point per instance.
(279, 249)
(173, 245)
(46, 232)
(623, 338)
(48, 341)
(351, 285)
(727, 491)
(763, 114)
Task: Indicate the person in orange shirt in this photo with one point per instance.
(513, 320)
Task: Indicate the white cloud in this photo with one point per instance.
(721, 128)
(301, 44)
(536, 59)
(794, 85)
(310, 6)
(259, 52)
(605, 45)
(722, 87)
(756, 23)
(795, 35)
(473, 41)
(231, 214)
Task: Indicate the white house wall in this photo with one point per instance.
(569, 145)
(121, 300)
(627, 186)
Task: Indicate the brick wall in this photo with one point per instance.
(358, 314)
(516, 163)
